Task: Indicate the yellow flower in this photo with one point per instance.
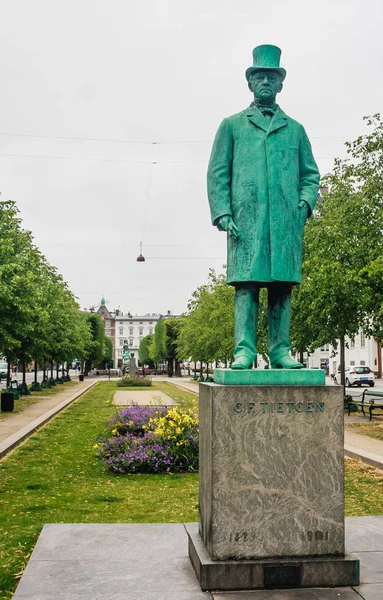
(114, 431)
(95, 446)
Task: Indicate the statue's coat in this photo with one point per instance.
(258, 173)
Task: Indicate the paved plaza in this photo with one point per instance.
(151, 562)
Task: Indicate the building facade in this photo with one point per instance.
(360, 350)
(131, 329)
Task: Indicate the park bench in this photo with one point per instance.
(370, 400)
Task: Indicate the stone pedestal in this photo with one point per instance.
(271, 481)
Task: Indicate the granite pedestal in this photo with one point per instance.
(271, 488)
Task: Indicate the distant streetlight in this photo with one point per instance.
(141, 258)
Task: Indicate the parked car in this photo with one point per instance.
(3, 370)
(357, 376)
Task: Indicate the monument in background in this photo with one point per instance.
(271, 441)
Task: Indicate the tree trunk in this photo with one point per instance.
(24, 373)
(57, 371)
(301, 356)
(207, 370)
(51, 369)
(36, 367)
(8, 373)
(342, 365)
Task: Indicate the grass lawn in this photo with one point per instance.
(372, 429)
(57, 477)
(25, 401)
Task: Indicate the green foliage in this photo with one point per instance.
(39, 316)
(157, 347)
(134, 381)
(207, 330)
(341, 289)
(108, 350)
(94, 353)
(144, 349)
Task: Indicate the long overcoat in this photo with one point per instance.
(258, 173)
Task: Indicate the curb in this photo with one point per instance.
(369, 458)
(17, 438)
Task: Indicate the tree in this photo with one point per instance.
(144, 350)
(157, 347)
(207, 330)
(95, 351)
(343, 251)
(108, 352)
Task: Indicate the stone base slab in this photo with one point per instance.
(228, 575)
(270, 376)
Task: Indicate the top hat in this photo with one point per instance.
(266, 57)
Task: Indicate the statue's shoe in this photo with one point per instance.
(242, 362)
(286, 362)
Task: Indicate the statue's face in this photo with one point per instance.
(265, 85)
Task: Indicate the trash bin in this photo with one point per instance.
(7, 402)
(81, 377)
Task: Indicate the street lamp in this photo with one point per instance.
(141, 258)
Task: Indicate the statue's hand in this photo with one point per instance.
(226, 223)
(303, 206)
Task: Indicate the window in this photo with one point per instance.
(150, 322)
(140, 340)
(141, 323)
(363, 362)
(130, 342)
(120, 353)
(121, 342)
(322, 348)
(121, 322)
(130, 330)
(107, 332)
(141, 331)
(121, 331)
(107, 323)
(150, 330)
(362, 340)
(352, 343)
(352, 363)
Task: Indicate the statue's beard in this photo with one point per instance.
(265, 101)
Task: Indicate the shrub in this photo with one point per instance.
(150, 439)
(134, 381)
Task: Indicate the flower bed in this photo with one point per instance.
(151, 439)
(134, 381)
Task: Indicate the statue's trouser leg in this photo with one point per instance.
(278, 320)
(245, 320)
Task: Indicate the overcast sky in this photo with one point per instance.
(88, 86)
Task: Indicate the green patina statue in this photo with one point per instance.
(262, 185)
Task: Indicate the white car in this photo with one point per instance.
(357, 376)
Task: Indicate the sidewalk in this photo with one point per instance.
(16, 427)
(181, 382)
(364, 448)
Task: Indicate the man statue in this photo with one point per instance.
(262, 185)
